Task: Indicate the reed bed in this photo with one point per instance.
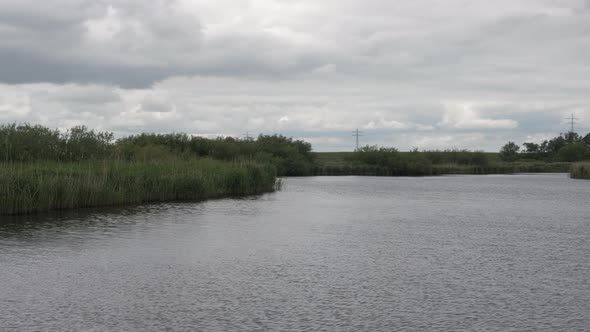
(580, 170)
(426, 169)
(33, 187)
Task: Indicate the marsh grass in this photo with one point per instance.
(428, 163)
(580, 170)
(416, 169)
(43, 185)
(503, 168)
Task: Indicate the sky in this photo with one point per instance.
(427, 74)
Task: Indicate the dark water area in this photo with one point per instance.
(456, 253)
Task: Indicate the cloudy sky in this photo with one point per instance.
(423, 73)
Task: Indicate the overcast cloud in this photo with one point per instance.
(422, 73)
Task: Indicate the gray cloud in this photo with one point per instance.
(93, 94)
(157, 103)
(421, 73)
(19, 67)
(134, 43)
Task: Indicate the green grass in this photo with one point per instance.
(580, 170)
(42, 186)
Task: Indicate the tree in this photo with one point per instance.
(531, 147)
(509, 152)
(574, 152)
(555, 144)
(572, 137)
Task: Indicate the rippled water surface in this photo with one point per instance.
(488, 253)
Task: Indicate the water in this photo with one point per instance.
(489, 253)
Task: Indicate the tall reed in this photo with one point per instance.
(41, 186)
(580, 170)
(426, 169)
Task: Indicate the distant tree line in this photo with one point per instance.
(567, 147)
(388, 156)
(27, 143)
(390, 161)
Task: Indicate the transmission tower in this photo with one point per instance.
(357, 134)
(248, 137)
(572, 121)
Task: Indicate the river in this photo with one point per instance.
(452, 253)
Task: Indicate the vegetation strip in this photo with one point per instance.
(375, 161)
(43, 186)
(43, 169)
(580, 170)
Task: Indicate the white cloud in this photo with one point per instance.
(385, 124)
(325, 69)
(14, 104)
(309, 69)
(463, 116)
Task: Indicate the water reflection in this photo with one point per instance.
(342, 254)
(105, 220)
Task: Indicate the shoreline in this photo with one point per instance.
(51, 186)
(580, 170)
(232, 195)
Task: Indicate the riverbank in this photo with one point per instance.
(421, 164)
(43, 186)
(44, 169)
(580, 170)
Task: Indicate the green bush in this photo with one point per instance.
(574, 152)
(27, 143)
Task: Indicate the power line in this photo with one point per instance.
(572, 121)
(248, 137)
(357, 134)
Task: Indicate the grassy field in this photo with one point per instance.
(580, 170)
(42, 186)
